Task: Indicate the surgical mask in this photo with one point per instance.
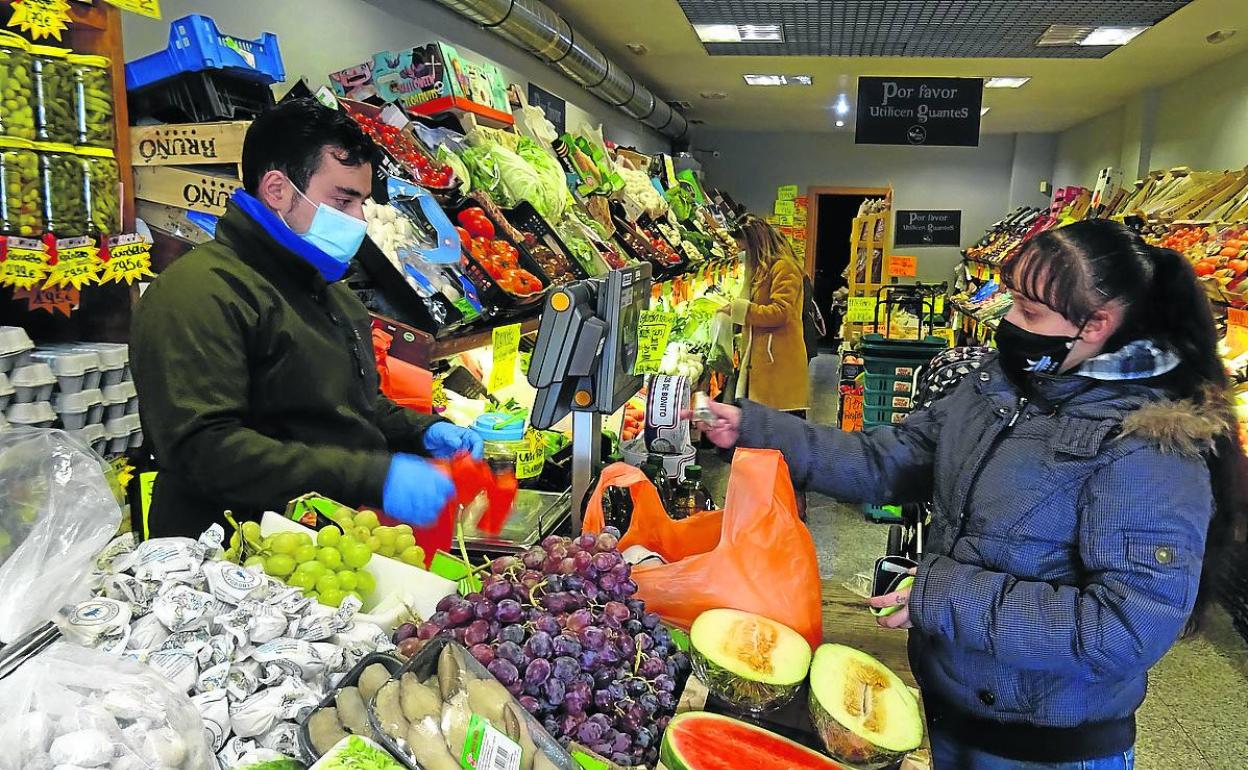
(334, 232)
(1022, 352)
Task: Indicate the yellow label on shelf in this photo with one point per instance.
(786, 192)
(149, 8)
(130, 259)
(531, 459)
(25, 264)
(861, 310)
(40, 18)
(506, 344)
(77, 264)
(653, 330)
(783, 208)
(784, 220)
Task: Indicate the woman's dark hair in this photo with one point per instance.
(1077, 269)
(291, 136)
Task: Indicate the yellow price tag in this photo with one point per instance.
(861, 310)
(783, 208)
(130, 259)
(653, 329)
(506, 343)
(77, 264)
(25, 264)
(531, 459)
(786, 192)
(149, 8)
(40, 18)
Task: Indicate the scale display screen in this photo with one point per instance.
(625, 294)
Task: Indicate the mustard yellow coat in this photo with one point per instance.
(775, 364)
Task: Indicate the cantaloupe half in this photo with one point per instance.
(864, 713)
(748, 660)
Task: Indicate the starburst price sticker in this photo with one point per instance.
(40, 18)
(62, 300)
(77, 264)
(129, 259)
(23, 263)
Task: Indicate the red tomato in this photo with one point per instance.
(464, 238)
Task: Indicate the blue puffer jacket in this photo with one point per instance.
(1066, 542)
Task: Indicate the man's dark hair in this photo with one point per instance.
(291, 136)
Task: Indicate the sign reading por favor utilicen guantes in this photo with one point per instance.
(919, 111)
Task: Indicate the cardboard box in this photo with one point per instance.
(425, 73)
(188, 144)
(354, 82)
(184, 189)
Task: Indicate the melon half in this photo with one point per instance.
(701, 741)
(864, 713)
(747, 660)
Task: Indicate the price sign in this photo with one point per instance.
(903, 267)
(129, 259)
(506, 344)
(785, 208)
(77, 264)
(1237, 317)
(61, 301)
(23, 263)
(786, 192)
(40, 18)
(149, 8)
(653, 329)
(1236, 330)
(531, 459)
(851, 412)
(861, 310)
(784, 220)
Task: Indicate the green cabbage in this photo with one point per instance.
(462, 173)
(483, 166)
(554, 182)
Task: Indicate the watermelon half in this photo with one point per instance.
(698, 740)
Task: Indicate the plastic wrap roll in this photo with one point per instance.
(666, 432)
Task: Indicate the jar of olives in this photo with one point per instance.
(103, 196)
(63, 181)
(17, 105)
(21, 208)
(55, 120)
(93, 100)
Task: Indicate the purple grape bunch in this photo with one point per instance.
(559, 627)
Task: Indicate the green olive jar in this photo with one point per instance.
(21, 201)
(63, 181)
(103, 190)
(55, 118)
(93, 100)
(17, 102)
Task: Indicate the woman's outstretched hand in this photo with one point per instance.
(725, 431)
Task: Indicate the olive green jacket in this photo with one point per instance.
(257, 384)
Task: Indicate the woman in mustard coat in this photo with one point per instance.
(774, 367)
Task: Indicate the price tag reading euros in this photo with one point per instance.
(77, 264)
(40, 18)
(506, 344)
(488, 749)
(903, 267)
(24, 264)
(861, 310)
(653, 329)
(130, 259)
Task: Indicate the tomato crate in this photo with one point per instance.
(525, 218)
(488, 289)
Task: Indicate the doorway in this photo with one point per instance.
(831, 218)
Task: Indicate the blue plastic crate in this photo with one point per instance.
(196, 44)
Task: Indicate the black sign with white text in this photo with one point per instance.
(556, 109)
(919, 111)
(928, 228)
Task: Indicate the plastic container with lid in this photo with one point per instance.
(93, 100)
(114, 360)
(17, 93)
(120, 400)
(21, 202)
(38, 414)
(93, 436)
(6, 391)
(78, 410)
(32, 382)
(63, 182)
(55, 120)
(506, 448)
(15, 348)
(102, 189)
(4, 423)
(123, 433)
(75, 370)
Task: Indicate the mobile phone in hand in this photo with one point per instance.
(892, 573)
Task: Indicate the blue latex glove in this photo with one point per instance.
(415, 491)
(446, 439)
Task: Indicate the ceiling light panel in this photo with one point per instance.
(922, 28)
(1006, 82)
(766, 80)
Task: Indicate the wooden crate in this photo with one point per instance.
(184, 189)
(188, 144)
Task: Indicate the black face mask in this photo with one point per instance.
(1022, 352)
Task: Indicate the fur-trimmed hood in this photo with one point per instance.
(1188, 427)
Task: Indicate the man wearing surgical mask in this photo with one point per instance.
(254, 361)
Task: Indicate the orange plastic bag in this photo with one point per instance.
(405, 384)
(755, 555)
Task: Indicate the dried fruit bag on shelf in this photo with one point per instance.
(755, 555)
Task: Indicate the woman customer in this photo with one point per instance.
(774, 366)
(1078, 480)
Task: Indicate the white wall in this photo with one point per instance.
(1034, 156)
(322, 36)
(977, 180)
(1197, 121)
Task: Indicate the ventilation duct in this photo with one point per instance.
(534, 27)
